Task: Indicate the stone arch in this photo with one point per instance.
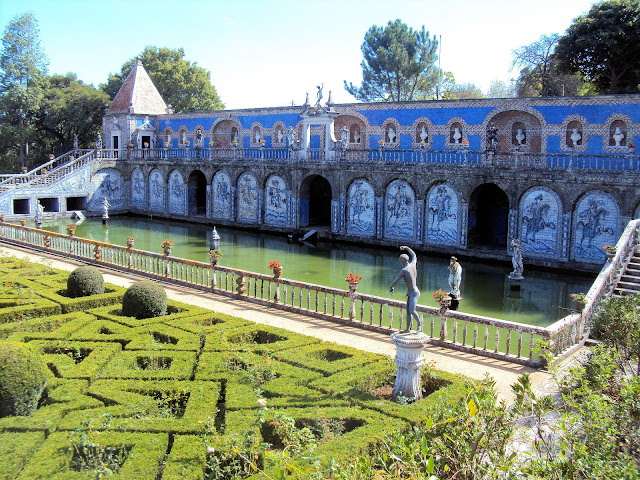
(581, 125)
(443, 216)
(279, 137)
(540, 222)
(196, 198)
(224, 131)
(488, 222)
(183, 135)
(222, 195)
(596, 222)
(247, 194)
(177, 193)
(315, 196)
(138, 189)
(417, 133)
(257, 132)
(627, 128)
(358, 127)
(391, 132)
(276, 201)
(504, 117)
(452, 140)
(109, 183)
(361, 211)
(156, 193)
(400, 211)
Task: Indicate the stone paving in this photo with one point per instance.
(504, 373)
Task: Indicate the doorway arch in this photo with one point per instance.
(197, 194)
(315, 202)
(488, 217)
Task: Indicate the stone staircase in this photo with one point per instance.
(629, 283)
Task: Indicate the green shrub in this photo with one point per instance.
(85, 281)
(22, 378)
(145, 299)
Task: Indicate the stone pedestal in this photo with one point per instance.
(409, 348)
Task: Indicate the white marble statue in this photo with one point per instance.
(319, 94)
(455, 277)
(168, 144)
(39, 212)
(423, 135)
(184, 137)
(391, 135)
(105, 208)
(456, 135)
(520, 137)
(280, 136)
(618, 137)
(516, 259)
(257, 136)
(575, 137)
(356, 136)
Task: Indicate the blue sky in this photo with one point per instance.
(270, 53)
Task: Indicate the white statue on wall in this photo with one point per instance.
(520, 137)
(618, 136)
(280, 136)
(456, 135)
(168, 144)
(423, 135)
(257, 136)
(391, 135)
(575, 137)
(184, 137)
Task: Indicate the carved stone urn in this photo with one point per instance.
(409, 359)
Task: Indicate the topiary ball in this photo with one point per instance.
(23, 374)
(145, 299)
(85, 281)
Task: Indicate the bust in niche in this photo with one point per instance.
(356, 136)
(423, 135)
(520, 137)
(576, 137)
(456, 135)
(391, 135)
(184, 137)
(257, 136)
(618, 137)
(280, 136)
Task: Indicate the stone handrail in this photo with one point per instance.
(513, 160)
(48, 172)
(489, 337)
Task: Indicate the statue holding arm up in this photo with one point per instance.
(409, 273)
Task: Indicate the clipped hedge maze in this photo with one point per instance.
(171, 397)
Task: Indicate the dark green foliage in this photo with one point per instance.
(398, 64)
(85, 281)
(23, 375)
(183, 85)
(617, 323)
(145, 299)
(604, 46)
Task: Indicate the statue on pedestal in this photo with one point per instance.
(618, 137)
(319, 94)
(492, 137)
(455, 277)
(409, 274)
(105, 208)
(516, 260)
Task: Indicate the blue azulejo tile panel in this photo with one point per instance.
(361, 218)
(442, 222)
(399, 211)
(222, 196)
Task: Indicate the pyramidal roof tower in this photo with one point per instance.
(138, 94)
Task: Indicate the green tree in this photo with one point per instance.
(604, 46)
(182, 84)
(23, 69)
(398, 63)
(536, 58)
(500, 89)
(69, 106)
(467, 91)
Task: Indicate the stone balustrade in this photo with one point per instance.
(489, 337)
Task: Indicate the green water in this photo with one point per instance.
(543, 298)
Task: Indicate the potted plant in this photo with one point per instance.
(353, 279)
(214, 256)
(609, 250)
(23, 222)
(381, 143)
(2, 217)
(129, 242)
(276, 267)
(465, 143)
(579, 300)
(71, 230)
(166, 246)
(442, 298)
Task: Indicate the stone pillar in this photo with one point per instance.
(409, 347)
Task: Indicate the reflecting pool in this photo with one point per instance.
(543, 298)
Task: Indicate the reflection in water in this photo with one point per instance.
(485, 289)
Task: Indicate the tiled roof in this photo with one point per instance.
(138, 94)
